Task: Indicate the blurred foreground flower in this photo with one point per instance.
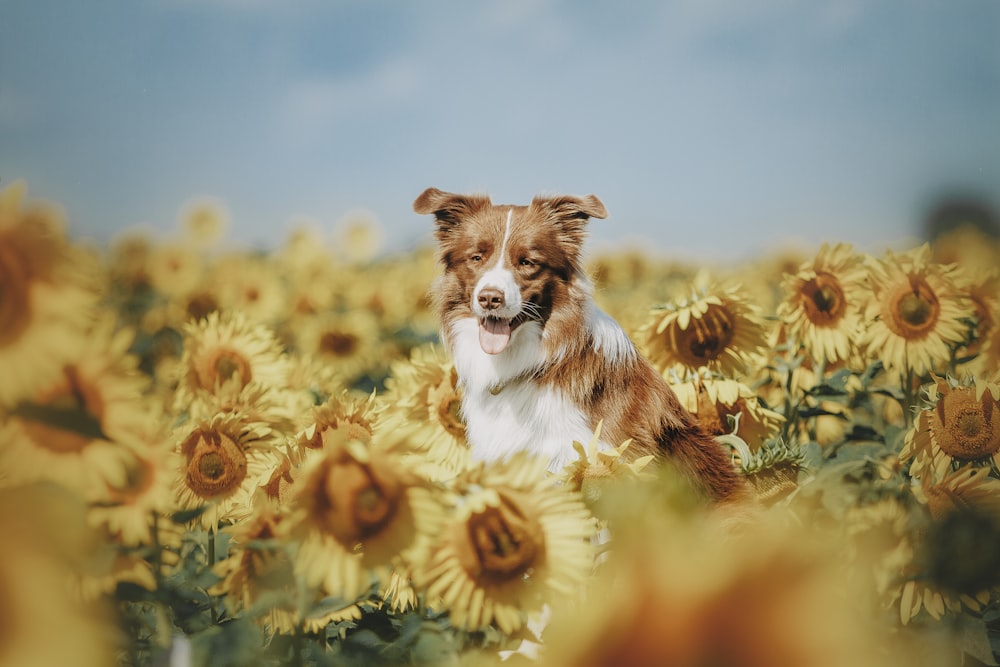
(45, 304)
(358, 513)
(43, 624)
(517, 540)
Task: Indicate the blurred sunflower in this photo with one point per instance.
(823, 300)
(204, 221)
(347, 416)
(350, 342)
(249, 284)
(76, 429)
(45, 304)
(258, 565)
(715, 401)
(358, 514)
(963, 426)
(175, 268)
(423, 405)
(43, 537)
(128, 510)
(224, 346)
(357, 238)
(983, 290)
(718, 328)
(224, 460)
(917, 313)
(678, 594)
(969, 247)
(956, 566)
(516, 540)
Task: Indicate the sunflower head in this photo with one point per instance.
(359, 509)
(517, 539)
(718, 329)
(821, 306)
(918, 314)
(960, 553)
(215, 464)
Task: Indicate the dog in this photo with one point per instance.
(539, 364)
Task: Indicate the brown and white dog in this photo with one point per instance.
(539, 364)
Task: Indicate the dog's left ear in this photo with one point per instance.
(570, 213)
(566, 208)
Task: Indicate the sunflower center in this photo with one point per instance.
(359, 502)
(823, 300)
(913, 310)
(201, 305)
(15, 306)
(964, 427)
(449, 415)
(216, 465)
(502, 542)
(707, 337)
(338, 344)
(221, 365)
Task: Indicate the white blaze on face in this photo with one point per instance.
(494, 325)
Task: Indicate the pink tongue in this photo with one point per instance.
(493, 335)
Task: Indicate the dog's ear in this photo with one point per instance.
(570, 208)
(570, 213)
(448, 208)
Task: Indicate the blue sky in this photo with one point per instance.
(716, 128)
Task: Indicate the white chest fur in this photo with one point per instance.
(505, 410)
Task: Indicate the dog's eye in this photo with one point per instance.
(524, 261)
(476, 258)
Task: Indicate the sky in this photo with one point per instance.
(709, 128)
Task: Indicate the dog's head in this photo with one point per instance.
(506, 265)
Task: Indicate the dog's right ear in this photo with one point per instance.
(448, 208)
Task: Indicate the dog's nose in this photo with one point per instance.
(490, 298)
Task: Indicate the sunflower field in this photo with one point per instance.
(214, 456)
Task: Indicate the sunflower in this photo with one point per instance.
(43, 540)
(45, 301)
(349, 341)
(128, 511)
(76, 430)
(358, 514)
(357, 238)
(175, 268)
(224, 460)
(717, 328)
(597, 466)
(956, 564)
(423, 407)
(225, 346)
(349, 416)
(258, 563)
(396, 291)
(249, 284)
(715, 401)
(963, 426)
(683, 593)
(517, 540)
(822, 306)
(983, 290)
(204, 221)
(917, 313)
